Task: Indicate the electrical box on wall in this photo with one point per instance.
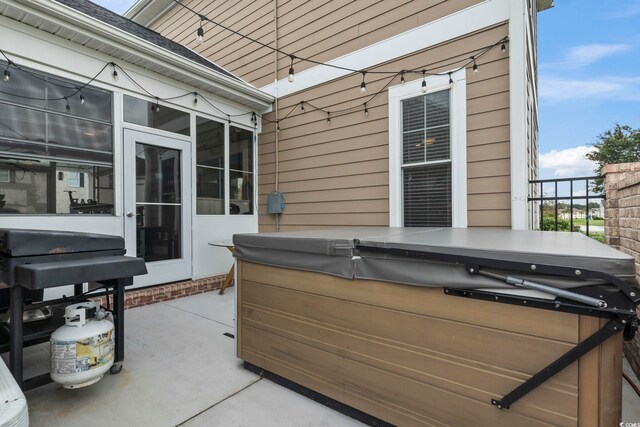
(275, 202)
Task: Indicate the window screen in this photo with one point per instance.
(140, 112)
(56, 146)
(240, 171)
(209, 167)
(426, 160)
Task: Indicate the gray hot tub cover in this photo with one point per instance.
(334, 252)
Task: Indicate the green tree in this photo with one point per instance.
(618, 145)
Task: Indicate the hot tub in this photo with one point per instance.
(442, 327)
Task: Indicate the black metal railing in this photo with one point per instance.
(550, 198)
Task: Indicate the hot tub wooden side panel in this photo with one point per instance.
(414, 356)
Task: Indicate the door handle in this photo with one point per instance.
(129, 214)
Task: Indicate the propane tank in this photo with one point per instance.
(82, 349)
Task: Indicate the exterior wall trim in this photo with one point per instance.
(458, 24)
(518, 115)
(458, 144)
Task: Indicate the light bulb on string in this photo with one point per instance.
(156, 107)
(7, 74)
(115, 72)
(424, 81)
(366, 110)
(475, 66)
(503, 48)
(67, 107)
(402, 77)
(200, 32)
(291, 70)
(450, 78)
(328, 117)
(363, 85)
(254, 118)
(277, 126)
(195, 99)
(82, 100)
(302, 106)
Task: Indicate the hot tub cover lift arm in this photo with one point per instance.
(620, 307)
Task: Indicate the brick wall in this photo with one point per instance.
(140, 297)
(622, 226)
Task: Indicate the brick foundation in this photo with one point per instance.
(622, 226)
(152, 295)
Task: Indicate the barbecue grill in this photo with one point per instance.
(34, 260)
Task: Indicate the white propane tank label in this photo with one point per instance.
(63, 357)
(69, 357)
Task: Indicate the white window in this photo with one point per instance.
(74, 179)
(427, 153)
(4, 175)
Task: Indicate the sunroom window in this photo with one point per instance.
(53, 131)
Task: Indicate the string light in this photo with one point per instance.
(254, 118)
(402, 77)
(274, 49)
(229, 119)
(424, 81)
(291, 70)
(302, 106)
(277, 126)
(328, 117)
(363, 85)
(115, 72)
(366, 110)
(503, 48)
(195, 99)
(475, 66)
(7, 74)
(200, 32)
(78, 90)
(450, 78)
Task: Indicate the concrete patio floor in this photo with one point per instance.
(180, 369)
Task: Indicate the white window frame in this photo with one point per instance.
(458, 126)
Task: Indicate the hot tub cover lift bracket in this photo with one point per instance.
(587, 300)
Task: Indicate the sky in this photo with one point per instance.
(589, 77)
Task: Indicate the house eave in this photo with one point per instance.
(540, 4)
(134, 50)
(146, 12)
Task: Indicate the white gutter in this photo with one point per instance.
(68, 17)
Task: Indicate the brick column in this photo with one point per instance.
(622, 226)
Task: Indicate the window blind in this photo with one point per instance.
(426, 160)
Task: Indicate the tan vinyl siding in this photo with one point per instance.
(337, 174)
(323, 30)
(323, 167)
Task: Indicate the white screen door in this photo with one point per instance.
(157, 205)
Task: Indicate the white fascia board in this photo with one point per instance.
(469, 20)
(96, 29)
(518, 115)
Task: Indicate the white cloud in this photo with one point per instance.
(631, 10)
(560, 89)
(590, 53)
(569, 162)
